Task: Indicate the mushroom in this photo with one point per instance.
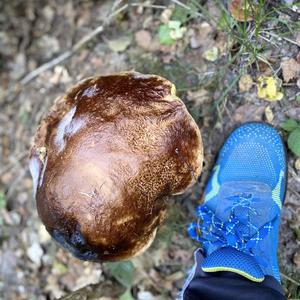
(105, 160)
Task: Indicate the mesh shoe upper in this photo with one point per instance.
(244, 194)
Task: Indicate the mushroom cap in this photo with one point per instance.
(106, 158)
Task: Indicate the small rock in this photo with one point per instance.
(8, 267)
(22, 197)
(269, 114)
(48, 13)
(144, 40)
(35, 253)
(18, 67)
(166, 15)
(48, 46)
(16, 218)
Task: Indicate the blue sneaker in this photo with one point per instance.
(238, 223)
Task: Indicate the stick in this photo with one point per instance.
(290, 279)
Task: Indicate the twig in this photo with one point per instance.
(74, 49)
(282, 37)
(290, 279)
(148, 5)
(45, 67)
(264, 38)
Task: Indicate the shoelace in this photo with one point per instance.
(238, 232)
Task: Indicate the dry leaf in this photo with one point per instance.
(269, 114)
(241, 10)
(290, 69)
(245, 83)
(268, 88)
(297, 164)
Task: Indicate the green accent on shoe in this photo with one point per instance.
(215, 185)
(276, 192)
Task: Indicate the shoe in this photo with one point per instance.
(238, 223)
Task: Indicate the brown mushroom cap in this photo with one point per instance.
(106, 158)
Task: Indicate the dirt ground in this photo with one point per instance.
(210, 83)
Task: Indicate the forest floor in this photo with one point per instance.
(227, 72)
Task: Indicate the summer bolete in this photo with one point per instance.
(106, 158)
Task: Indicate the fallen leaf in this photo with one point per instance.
(269, 114)
(290, 69)
(245, 83)
(264, 68)
(241, 10)
(176, 30)
(268, 88)
(143, 38)
(289, 125)
(294, 141)
(199, 97)
(211, 54)
(166, 15)
(297, 164)
(35, 253)
(169, 33)
(120, 44)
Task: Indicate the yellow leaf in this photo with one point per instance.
(268, 88)
(211, 54)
